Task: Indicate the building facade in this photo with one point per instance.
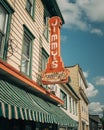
(78, 83)
(94, 122)
(70, 106)
(24, 48)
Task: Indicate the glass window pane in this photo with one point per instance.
(1, 37)
(1, 45)
(2, 19)
(25, 63)
(29, 6)
(43, 62)
(70, 104)
(64, 98)
(46, 27)
(26, 46)
(44, 59)
(3, 23)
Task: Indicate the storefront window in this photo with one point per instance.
(27, 127)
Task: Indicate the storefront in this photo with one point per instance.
(21, 109)
(24, 105)
(19, 124)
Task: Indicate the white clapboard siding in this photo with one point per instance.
(21, 17)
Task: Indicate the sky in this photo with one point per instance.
(82, 42)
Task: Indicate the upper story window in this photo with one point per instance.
(5, 17)
(3, 26)
(27, 52)
(43, 63)
(30, 7)
(83, 106)
(70, 104)
(44, 59)
(63, 96)
(76, 107)
(46, 25)
(73, 105)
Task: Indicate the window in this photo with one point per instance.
(83, 125)
(27, 52)
(30, 7)
(64, 98)
(46, 29)
(70, 104)
(44, 59)
(5, 17)
(44, 62)
(82, 106)
(75, 107)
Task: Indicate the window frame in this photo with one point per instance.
(45, 54)
(2, 37)
(46, 24)
(65, 103)
(32, 10)
(30, 37)
(76, 108)
(4, 43)
(70, 104)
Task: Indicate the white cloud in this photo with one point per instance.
(72, 15)
(96, 108)
(80, 14)
(99, 81)
(86, 74)
(91, 91)
(97, 31)
(94, 9)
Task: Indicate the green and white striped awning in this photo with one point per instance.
(19, 104)
(60, 116)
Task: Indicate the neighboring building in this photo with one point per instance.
(94, 122)
(70, 106)
(78, 83)
(25, 103)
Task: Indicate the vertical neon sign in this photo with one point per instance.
(55, 71)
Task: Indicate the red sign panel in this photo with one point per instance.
(55, 71)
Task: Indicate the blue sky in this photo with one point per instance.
(82, 42)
